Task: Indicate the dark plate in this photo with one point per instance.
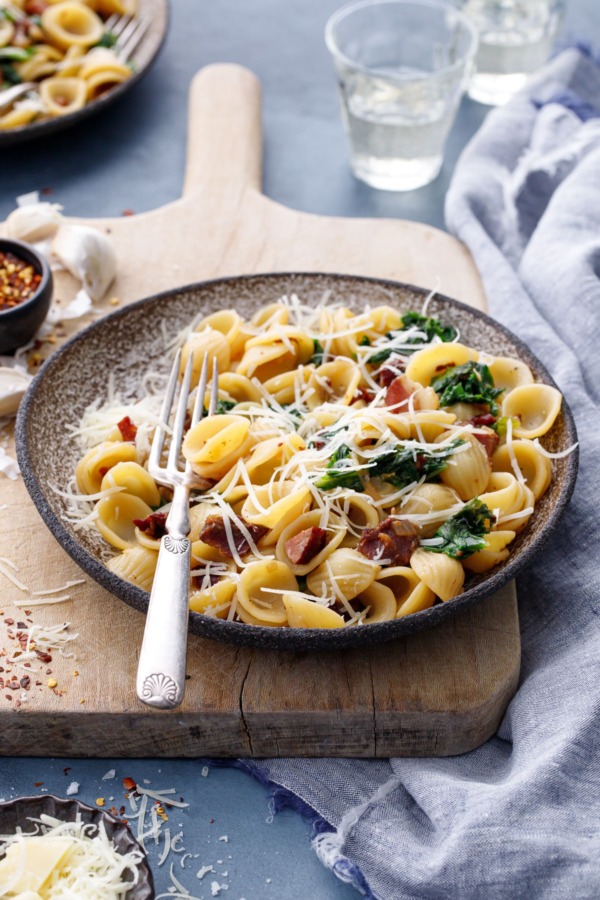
(124, 344)
(157, 11)
(17, 813)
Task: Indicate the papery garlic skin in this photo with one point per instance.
(34, 222)
(13, 385)
(88, 255)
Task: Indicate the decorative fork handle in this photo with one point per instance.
(161, 667)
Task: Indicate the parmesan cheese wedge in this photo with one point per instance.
(32, 862)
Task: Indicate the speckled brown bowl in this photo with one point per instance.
(124, 345)
(19, 812)
(157, 14)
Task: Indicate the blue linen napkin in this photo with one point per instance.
(518, 817)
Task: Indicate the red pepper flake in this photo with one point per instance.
(47, 190)
(67, 769)
(9, 621)
(18, 280)
(129, 784)
(8, 696)
(44, 657)
(127, 428)
(38, 783)
(128, 212)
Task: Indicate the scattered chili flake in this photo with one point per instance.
(43, 656)
(38, 783)
(67, 769)
(128, 212)
(47, 190)
(18, 280)
(127, 428)
(129, 784)
(9, 621)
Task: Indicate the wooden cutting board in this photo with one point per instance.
(440, 692)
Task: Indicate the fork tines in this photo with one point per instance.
(129, 32)
(171, 473)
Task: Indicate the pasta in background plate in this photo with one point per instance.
(360, 466)
(65, 49)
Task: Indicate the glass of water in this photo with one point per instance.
(515, 39)
(402, 68)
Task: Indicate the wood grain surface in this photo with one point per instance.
(439, 692)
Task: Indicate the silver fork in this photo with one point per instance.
(161, 668)
(129, 32)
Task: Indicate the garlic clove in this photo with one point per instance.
(13, 385)
(34, 222)
(88, 255)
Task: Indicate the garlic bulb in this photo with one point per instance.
(34, 222)
(13, 385)
(88, 255)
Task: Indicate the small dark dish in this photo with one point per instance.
(19, 324)
(127, 342)
(18, 813)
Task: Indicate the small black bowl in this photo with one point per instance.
(19, 812)
(19, 324)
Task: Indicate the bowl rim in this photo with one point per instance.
(296, 638)
(98, 813)
(36, 259)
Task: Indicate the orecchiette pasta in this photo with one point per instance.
(358, 469)
(66, 53)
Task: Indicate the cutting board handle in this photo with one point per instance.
(224, 152)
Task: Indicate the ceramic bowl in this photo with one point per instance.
(126, 343)
(18, 814)
(19, 324)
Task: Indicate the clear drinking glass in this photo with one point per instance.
(515, 39)
(402, 68)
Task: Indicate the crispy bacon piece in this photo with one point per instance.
(399, 391)
(153, 526)
(394, 366)
(127, 428)
(487, 437)
(365, 394)
(483, 419)
(302, 547)
(393, 540)
(214, 534)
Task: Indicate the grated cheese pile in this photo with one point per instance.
(66, 860)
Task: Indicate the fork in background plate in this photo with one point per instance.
(161, 668)
(129, 32)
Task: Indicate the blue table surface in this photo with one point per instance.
(132, 157)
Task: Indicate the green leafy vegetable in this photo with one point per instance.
(340, 475)
(404, 465)
(222, 407)
(464, 533)
(317, 357)
(426, 328)
(365, 341)
(469, 383)
(108, 39)
(9, 74)
(16, 54)
(500, 424)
